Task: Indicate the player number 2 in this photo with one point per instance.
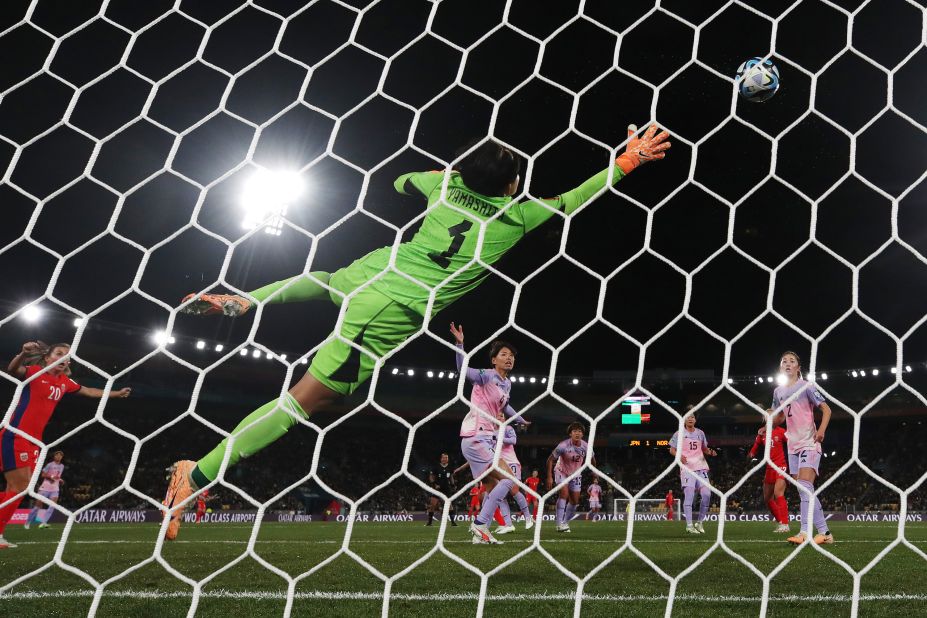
(456, 232)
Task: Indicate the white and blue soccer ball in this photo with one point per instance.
(757, 80)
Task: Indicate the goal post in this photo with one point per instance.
(650, 509)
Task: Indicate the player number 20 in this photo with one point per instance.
(55, 393)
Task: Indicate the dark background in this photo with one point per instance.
(126, 137)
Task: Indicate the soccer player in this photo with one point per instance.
(386, 308)
(532, 482)
(693, 471)
(670, 504)
(201, 500)
(489, 400)
(507, 455)
(49, 489)
(36, 404)
(443, 481)
(774, 480)
(568, 457)
(594, 491)
(804, 440)
(476, 495)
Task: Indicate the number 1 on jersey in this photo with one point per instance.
(456, 232)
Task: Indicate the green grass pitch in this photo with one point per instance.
(811, 584)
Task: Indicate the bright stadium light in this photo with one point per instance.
(304, 361)
(782, 379)
(854, 373)
(430, 373)
(31, 314)
(78, 322)
(283, 357)
(907, 368)
(875, 372)
(267, 194)
(823, 376)
(200, 345)
(543, 380)
(521, 378)
(161, 337)
(532, 379)
(575, 380)
(410, 372)
(730, 380)
(833, 453)
(441, 374)
(450, 375)
(256, 353)
(894, 370)
(244, 352)
(769, 379)
(219, 347)
(811, 376)
(395, 370)
(268, 355)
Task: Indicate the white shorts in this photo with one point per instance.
(575, 484)
(49, 493)
(809, 458)
(478, 451)
(595, 504)
(699, 480)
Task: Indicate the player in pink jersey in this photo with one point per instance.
(567, 460)
(49, 489)
(478, 431)
(508, 457)
(693, 471)
(46, 370)
(594, 491)
(795, 401)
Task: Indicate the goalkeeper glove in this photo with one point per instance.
(648, 147)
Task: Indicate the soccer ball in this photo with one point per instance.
(757, 80)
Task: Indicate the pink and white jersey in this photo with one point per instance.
(799, 415)
(691, 445)
(507, 454)
(570, 457)
(489, 396)
(54, 471)
(594, 491)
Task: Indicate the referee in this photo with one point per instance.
(444, 482)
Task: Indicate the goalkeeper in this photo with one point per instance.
(386, 311)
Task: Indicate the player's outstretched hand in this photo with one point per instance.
(122, 393)
(648, 147)
(457, 331)
(30, 348)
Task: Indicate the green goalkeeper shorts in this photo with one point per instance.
(372, 321)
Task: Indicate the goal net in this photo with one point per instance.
(646, 509)
(150, 148)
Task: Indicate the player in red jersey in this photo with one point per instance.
(774, 480)
(201, 505)
(670, 503)
(37, 402)
(476, 495)
(532, 482)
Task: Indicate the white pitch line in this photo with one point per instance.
(467, 596)
(707, 541)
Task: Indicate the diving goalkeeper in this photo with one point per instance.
(386, 311)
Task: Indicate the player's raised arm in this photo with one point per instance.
(419, 183)
(96, 393)
(474, 376)
(17, 367)
(651, 146)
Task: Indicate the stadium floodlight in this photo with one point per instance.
(532, 379)
(543, 380)
(283, 357)
(875, 372)
(395, 370)
(833, 453)
(268, 355)
(730, 380)
(256, 353)
(244, 352)
(810, 376)
(160, 337)
(410, 372)
(219, 347)
(823, 376)
(266, 196)
(521, 378)
(894, 370)
(78, 322)
(862, 372)
(769, 379)
(907, 368)
(304, 361)
(450, 375)
(854, 373)
(200, 345)
(575, 380)
(430, 373)
(31, 314)
(441, 374)
(781, 379)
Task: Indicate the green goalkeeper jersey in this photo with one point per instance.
(441, 254)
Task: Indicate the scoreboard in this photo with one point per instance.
(636, 416)
(645, 443)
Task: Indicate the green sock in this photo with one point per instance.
(275, 421)
(304, 289)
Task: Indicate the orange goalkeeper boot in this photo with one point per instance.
(178, 490)
(231, 305)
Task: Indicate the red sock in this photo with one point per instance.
(6, 513)
(783, 510)
(499, 519)
(773, 505)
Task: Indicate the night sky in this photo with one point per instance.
(122, 129)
